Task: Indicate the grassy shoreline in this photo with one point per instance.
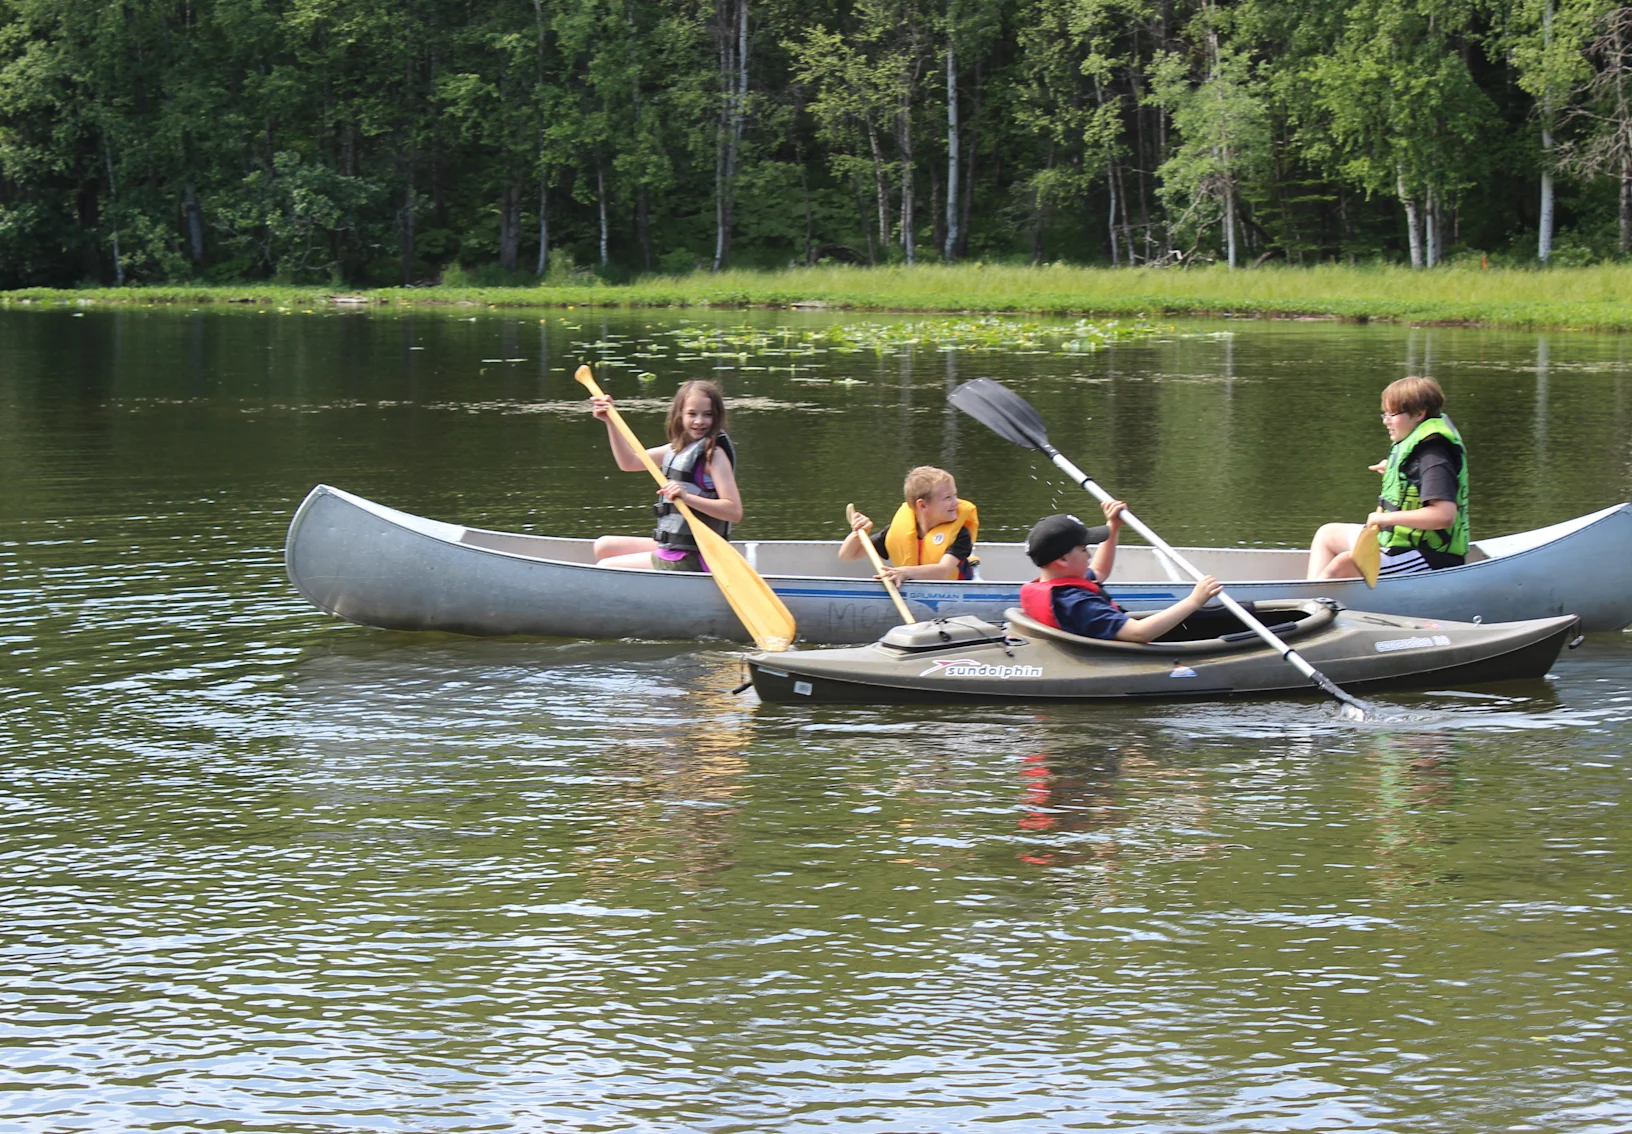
(1589, 299)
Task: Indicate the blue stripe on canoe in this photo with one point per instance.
(1008, 598)
(882, 595)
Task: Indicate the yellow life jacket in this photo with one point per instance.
(908, 550)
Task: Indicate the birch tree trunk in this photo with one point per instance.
(1127, 224)
(909, 241)
(113, 196)
(600, 193)
(949, 251)
(1431, 226)
(1626, 206)
(881, 183)
(1111, 183)
(733, 39)
(1544, 238)
(1413, 224)
(543, 225)
(543, 167)
(722, 143)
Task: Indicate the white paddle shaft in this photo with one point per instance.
(1189, 568)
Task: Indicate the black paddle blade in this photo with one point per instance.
(1002, 411)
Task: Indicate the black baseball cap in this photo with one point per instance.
(1055, 536)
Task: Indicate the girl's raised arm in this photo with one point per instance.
(628, 460)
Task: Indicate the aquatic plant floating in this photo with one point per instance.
(986, 334)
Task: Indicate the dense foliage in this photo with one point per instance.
(390, 141)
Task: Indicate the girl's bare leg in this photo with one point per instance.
(616, 545)
(634, 561)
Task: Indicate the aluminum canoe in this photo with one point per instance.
(968, 659)
(381, 567)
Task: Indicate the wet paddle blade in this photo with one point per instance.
(767, 620)
(1002, 411)
(1368, 557)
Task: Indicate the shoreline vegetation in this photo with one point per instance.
(1595, 298)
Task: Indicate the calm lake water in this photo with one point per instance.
(260, 869)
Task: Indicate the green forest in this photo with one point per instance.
(389, 142)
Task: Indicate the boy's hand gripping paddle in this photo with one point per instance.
(878, 565)
(766, 619)
(1012, 418)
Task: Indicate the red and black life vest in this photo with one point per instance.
(1037, 597)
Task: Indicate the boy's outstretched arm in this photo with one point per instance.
(1153, 627)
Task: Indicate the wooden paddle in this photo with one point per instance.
(1011, 417)
(1367, 556)
(766, 619)
(878, 565)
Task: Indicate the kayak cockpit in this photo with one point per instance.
(1211, 630)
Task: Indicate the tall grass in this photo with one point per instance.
(1593, 298)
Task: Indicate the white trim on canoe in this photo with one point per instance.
(377, 566)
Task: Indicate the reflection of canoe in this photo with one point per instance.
(1208, 655)
(381, 567)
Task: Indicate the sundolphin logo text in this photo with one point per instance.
(968, 667)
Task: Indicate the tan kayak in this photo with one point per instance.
(1208, 655)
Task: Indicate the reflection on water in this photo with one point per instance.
(265, 869)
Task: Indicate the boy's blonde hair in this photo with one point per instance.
(1414, 395)
(922, 481)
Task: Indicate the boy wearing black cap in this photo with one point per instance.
(1068, 596)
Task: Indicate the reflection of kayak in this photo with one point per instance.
(381, 567)
(1210, 654)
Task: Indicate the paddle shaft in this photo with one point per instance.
(878, 565)
(1235, 608)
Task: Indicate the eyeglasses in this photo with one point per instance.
(1390, 415)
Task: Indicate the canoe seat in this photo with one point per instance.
(1288, 618)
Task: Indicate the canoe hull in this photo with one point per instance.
(379, 567)
(1361, 651)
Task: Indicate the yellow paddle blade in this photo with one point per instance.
(767, 621)
(1368, 558)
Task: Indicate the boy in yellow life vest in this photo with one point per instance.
(932, 535)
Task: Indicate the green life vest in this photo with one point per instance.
(1400, 495)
